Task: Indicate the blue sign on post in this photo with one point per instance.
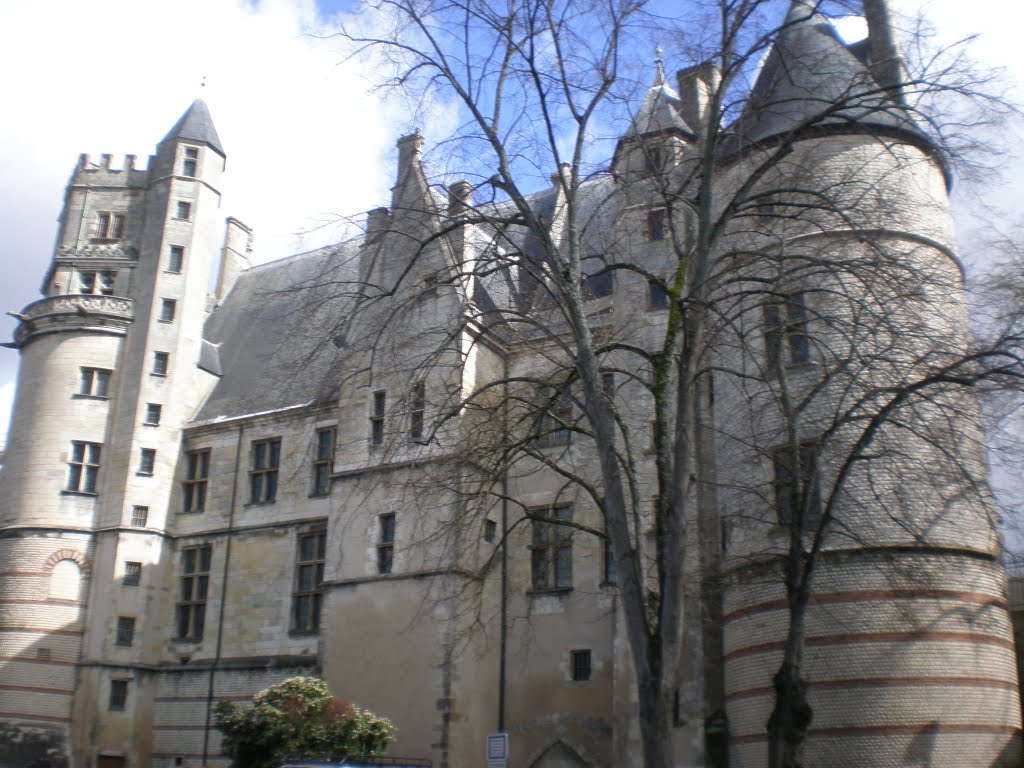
(497, 750)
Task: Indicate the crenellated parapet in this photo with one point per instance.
(74, 313)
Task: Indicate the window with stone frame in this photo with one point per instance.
(266, 460)
(190, 161)
(323, 461)
(83, 466)
(100, 283)
(109, 226)
(125, 633)
(118, 695)
(657, 296)
(197, 473)
(377, 418)
(657, 224)
(132, 574)
(94, 382)
(417, 410)
(195, 585)
(551, 550)
(599, 285)
(168, 308)
(309, 579)
(183, 210)
(786, 342)
(153, 413)
(147, 461)
(386, 544)
(161, 361)
(553, 428)
(580, 662)
(175, 258)
(795, 481)
(140, 516)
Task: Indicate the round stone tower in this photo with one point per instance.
(107, 376)
(851, 477)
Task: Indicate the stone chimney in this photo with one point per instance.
(886, 62)
(696, 85)
(234, 257)
(460, 198)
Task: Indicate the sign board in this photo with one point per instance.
(497, 750)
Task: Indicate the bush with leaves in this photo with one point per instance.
(298, 719)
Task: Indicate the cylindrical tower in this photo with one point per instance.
(107, 376)
(842, 463)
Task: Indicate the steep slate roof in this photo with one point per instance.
(196, 125)
(808, 71)
(271, 336)
(659, 110)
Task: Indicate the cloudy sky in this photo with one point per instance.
(306, 142)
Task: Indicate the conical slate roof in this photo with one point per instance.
(196, 125)
(659, 110)
(812, 79)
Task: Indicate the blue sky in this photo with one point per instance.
(306, 141)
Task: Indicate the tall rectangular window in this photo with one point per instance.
(377, 417)
(94, 382)
(147, 461)
(83, 466)
(309, 579)
(785, 332)
(386, 544)
(551, 551)
(160, 363)
(323, 462)
(656, 224)
(266, 458)
(795, 480)
(125, 631)
(417, 407)
(197, 473)
(118, 695)
(132, 574)
(183, 210)
(153, 412)
(167, 309)
(657, 296)
(195, 583)
(190, 161)
(175, 258)
(140, 516)
(581, 665)
(554, 423)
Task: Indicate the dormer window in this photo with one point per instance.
(190, 161)
(109, 226)
(654, 159)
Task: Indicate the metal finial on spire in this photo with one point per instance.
(203, 83)
(659, 77)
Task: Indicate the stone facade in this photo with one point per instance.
(204, 495)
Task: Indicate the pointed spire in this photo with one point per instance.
(196, 125)
(659, 110)
(659, 75)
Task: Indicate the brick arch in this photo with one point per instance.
(68, 554)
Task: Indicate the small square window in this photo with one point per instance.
(175, 258)
(580, 666)
(109, 226)
(118, 695)
(598, 286)
(140, 516)
(153, 411)
(147, 461)
(94, 382)
(657, 296)
(125, 631)
(132, 574)
(160, 363)
(167, 310)
(183, 210)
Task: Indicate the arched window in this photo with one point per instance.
(65, 581)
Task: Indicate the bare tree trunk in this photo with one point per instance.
(792, 716)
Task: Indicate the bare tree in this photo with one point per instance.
(784, 296)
